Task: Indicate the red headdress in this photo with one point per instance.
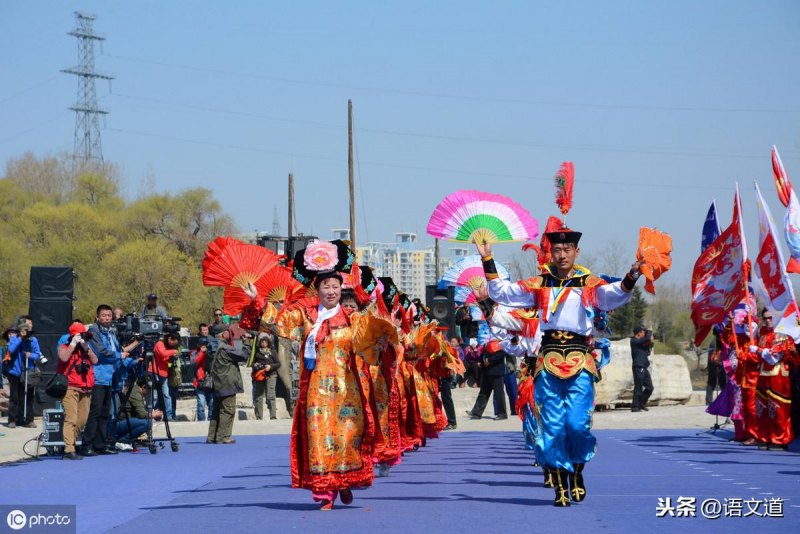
(565, 177)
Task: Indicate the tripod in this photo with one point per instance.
(150, 381)
(716, 426)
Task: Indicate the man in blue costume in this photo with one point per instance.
(567, 296)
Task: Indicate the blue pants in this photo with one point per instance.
(529, 428)
(137, 428)
(205, 401)
(164, 401)
(565, 420)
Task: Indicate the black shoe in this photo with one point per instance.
(577, 490)
(548, 478)
(561, 487)
(106, 451)
(211, 441)
(72, 456)
(636, 409)
(500, 417)
(88, 452)
(645, 408)
(472, 415)
(450, 427)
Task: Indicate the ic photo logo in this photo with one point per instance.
(39, 518)
(16, 519)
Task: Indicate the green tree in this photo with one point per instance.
(625, 318)
(51, 214)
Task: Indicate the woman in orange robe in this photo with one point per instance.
(333, 430)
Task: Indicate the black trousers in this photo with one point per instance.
(489, 385)
(447, 399)
(642, 386)
(95, 433)
(18, 399)
(716, 379)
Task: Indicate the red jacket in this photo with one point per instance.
(83, 381)
(200, 366)
(162, 357)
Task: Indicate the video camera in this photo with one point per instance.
(131, 328)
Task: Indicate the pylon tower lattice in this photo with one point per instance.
(88, 146)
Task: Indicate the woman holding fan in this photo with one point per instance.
(333, 430)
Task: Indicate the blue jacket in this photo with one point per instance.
(18, 347)
(106, 346)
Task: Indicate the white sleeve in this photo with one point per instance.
(612, 296)
(510, 294)
(502, 318)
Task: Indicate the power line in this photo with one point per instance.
(406, 167)
(318, 124)
(34, 127)
(447, 95)
(29, 89)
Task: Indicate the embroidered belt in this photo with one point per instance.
(565, 354)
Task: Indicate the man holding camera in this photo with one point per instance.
(152, 310)
(106, 347)
(641, 345)
(75, 361)
(24, 352)
(133, 420)
(163, 354)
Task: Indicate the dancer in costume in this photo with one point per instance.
(773, 427)
(566, 296)
(332, 431)
(745, 366)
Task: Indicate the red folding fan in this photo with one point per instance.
(236, 264)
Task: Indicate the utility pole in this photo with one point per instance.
(87, 113)
(350, 175)
(437, 270)
(289, 247)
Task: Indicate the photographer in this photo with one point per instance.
(24, 352)
(75, 361)
(641, 345)
(164, 352)
(152, 310)
(106, 346)
(133, 419)
(265, 376)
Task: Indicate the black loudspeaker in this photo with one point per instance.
(52, 283)
(50, 316)
(442, 303)
(48, 344)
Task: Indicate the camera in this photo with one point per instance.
(258, 366)
(83, 367)
(86, 336)
(131, 328)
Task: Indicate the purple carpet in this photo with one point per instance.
(470, 481)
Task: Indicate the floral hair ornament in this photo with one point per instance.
(320, 256)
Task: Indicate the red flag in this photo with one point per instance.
(719, 277)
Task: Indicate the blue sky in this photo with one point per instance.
(662, 106)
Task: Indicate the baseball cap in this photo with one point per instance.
(76, 328)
